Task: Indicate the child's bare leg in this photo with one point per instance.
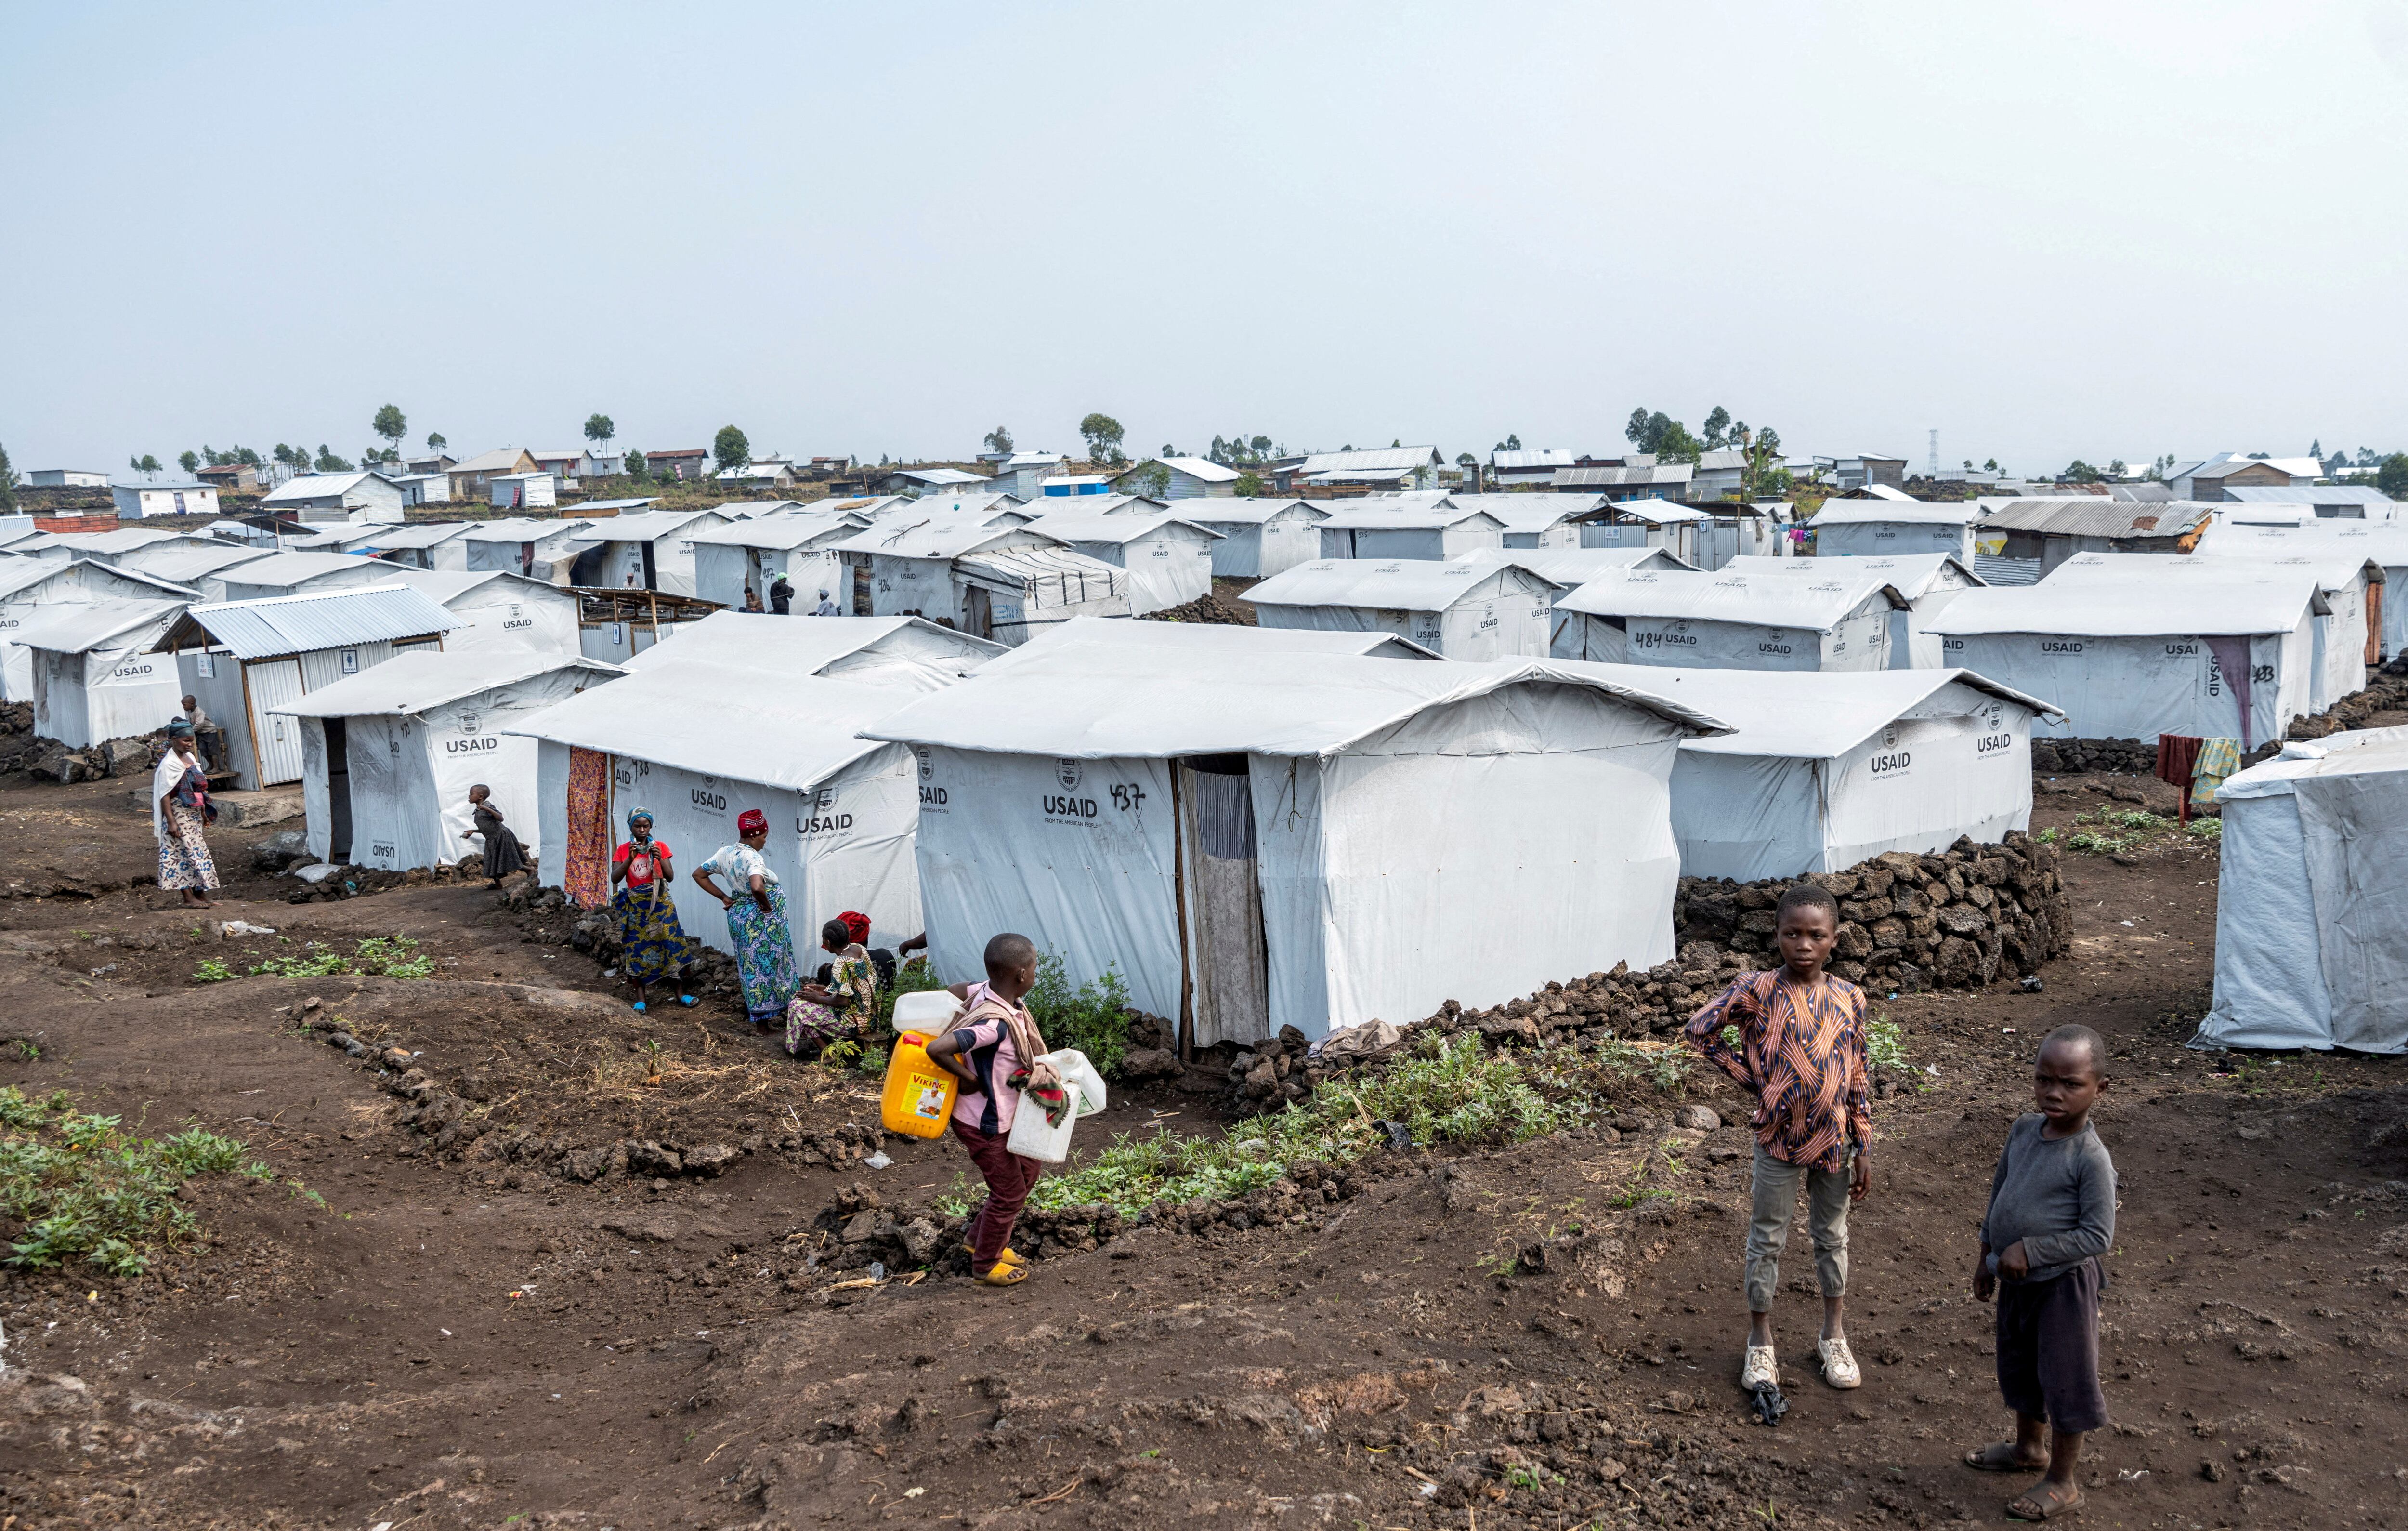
(2064, 1453)
(2056, 1492)
(2030, 1449)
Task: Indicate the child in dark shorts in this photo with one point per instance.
(2052, 1216)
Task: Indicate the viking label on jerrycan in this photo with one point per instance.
(918, 1097)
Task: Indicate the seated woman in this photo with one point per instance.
(843, 1001)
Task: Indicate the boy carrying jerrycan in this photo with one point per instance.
(1015, 1099)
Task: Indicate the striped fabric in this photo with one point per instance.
(1801, 1053)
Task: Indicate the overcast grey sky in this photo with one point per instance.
(2104, 229)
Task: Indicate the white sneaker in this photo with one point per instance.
(1839, 1365)
(1758, 1369)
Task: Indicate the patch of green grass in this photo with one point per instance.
(1885, 1044)
(1449, 1090)
(2109, 831)
(1092, 1017)
(378, 956)
(212, 972)
(80, 1186)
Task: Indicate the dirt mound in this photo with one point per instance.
(1219, 606)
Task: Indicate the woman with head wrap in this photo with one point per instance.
(180, 807)
(652, 945)
(844, 999)
(756, 920)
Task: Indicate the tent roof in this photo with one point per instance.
(1806, 715)
(127, 539)
(1403, 513)
(279, 625)
(525, 528)
(1912, 573)
(1769, 600)
(1234, 510)
(2206, 607)
(1396, 584)
(1107, 639)
(1572, 567)
(2384, 541)
(290, 569)
(644, 526)
(799, 646)
(1533, 511)
(2096, 516)
(2310, 494)
(413, 682)
(785, 531)
(79, 627)
(941, 536)
(1653, 510)
(316, 486)
(1158, 704)
(2360, 752)
(1079, 525)
(2332, 567)
(755, 724)
(446, 586)
(1905, 512)
(416, 534)
(25, 574)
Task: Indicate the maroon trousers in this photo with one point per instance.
(1009, 1178)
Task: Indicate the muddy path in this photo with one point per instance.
(1544, 1336)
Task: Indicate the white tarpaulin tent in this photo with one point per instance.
(388, 754)
(289, 574)
(648, 550)
(1651, 522)
(1533, 519)
(2214, 658)
(94, 676)
(540, 547)
(411, 546)
(698, 743)
(186, 564)
(1259, 537)
(1420, 527)
(799, 544)
(1823, 770)
(2312, 900)
(1836, 619)
(2341, 647)
(2384, 544)
(1462, 610)
(491, 610)
(905, 653)
(1928, 581)
(1567, 568)
(32, 586)
(1256, 846)
(1883, 528)
(1169, 557)
(981, 572)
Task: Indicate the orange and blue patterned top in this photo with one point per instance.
(1801, 1053)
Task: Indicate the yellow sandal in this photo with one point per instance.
(1010, 1256)
(1003, 1275)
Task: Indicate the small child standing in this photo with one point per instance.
(2052, 1214)
(995, 1051)
(1801, 1054)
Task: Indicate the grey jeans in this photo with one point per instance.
(1776, 1207)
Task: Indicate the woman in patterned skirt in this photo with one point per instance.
(652, 945)
(180, 807)
(756, 920)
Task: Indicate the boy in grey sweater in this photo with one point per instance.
(2052, 1214)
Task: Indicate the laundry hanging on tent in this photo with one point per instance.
(585, 873)
(2177, 757)
(2217, 760)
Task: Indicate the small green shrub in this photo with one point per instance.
(212, 972)
(1885, 1046)
(80, 1186)
(1092, 1018)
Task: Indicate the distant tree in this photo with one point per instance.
(1103, 437)
(1513, 442)
(634, 464)
(1170, 451)
(598, 427)
(1152, 480)
(2115, 469)
(1718, 425)
(435, 441)
(246, 456)
(1761, 474)
(2317, 449)
(1249, 487)
(729, 448)
(998, 440)
(328, 463)
(1674, 445)
(390, 424)
(1219, 451)
(1991, 466)
(1636, 431)
(7, 483)
(2367, 457)
(2079, 472)
(1968, 465)
(2392, 477)
(191, 461)
(143, 464)
(1398, 442)
(1260, 447)
(1465, 459)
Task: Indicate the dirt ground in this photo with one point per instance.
(1507, 1338)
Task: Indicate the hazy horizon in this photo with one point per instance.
(2051, 231)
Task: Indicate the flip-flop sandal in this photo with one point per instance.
(1010, 1256)
(685, 999)
(2046, 1508)
(1999, 1456)
(1003, 1275)
(639, 1007)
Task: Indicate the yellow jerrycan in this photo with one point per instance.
(918, 1097)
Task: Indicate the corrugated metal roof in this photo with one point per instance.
(257, 629)
(496, 461)
(1720, 462)
(2095, 516)
(79, 629)
(1379, 460)
(2311, 494)
(315, 486)
(413, 682)
(2143, 493)
(161, 480)
(935, 475)
(1653, 510)
(1033, 459)
(1613, 478)
(1545, 456)
(622, 506)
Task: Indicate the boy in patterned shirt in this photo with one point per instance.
(1801, 1052)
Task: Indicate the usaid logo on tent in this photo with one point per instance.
(818, 816)
(1068, 773)
(708, 798)
(1889, 762)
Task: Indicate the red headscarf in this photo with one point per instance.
(752, 821)
(856, 926)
